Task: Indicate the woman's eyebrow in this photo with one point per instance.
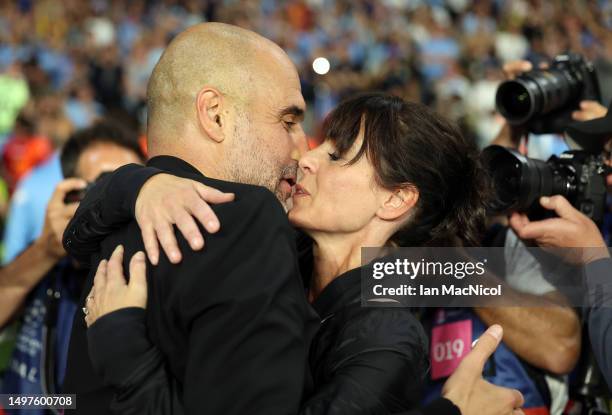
(292, 110)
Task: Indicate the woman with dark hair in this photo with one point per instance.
(389, 173)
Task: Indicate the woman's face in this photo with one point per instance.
(332, 196)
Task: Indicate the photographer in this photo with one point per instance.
(543, 341)
(43, 281)
(573, 229)
(550, 100)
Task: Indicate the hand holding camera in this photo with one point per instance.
(58, 215)
(571, 229)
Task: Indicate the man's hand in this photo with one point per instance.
(589, 110)
(111, 292)
(572, 229)
(515, 68)
(58, 215)
(167, 200)
(471, 393)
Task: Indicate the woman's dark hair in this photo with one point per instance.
(104, 131)
(409, 144)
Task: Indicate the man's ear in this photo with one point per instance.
(398, 203)
(209, 106)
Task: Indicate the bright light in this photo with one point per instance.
(320, 66)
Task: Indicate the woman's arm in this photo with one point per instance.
(157, 203)
(105, 207)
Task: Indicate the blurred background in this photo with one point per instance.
(64, 64)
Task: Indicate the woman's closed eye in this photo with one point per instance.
(334, 156)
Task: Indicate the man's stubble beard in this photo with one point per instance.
(247, 162)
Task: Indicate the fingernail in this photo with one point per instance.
(496, 331)
(174, 255)
(211, 224)
(196, 242)
(545, 200)
(119, 248)
(139, 256)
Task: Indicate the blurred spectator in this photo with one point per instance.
(24, 151)
(81, 108)
(27, 208)
(15, 93)
(43, 281)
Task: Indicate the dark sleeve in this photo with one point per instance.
(599, 285)
(123, 356)
(106, 206)
(242, 308)
(378, 365)
(440, 406)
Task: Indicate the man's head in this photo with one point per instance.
(228, 101)
(101, 148)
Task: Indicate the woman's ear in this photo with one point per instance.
(398, 203)
(209, 106)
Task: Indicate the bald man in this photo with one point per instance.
(232, 320)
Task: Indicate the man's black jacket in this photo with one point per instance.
(232, 321)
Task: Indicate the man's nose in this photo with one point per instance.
(300, 145)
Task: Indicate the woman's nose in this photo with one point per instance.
(308, 163)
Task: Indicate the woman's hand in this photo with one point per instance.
(467, 389)
(167, 200)
(111, 292)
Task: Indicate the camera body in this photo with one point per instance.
(75, 196)
(519, 181)
(543, 100)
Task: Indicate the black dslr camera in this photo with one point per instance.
(543, 100)
(519, 181)
(75, 196)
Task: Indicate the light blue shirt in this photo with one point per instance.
(26, 215)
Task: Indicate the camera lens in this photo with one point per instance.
(537, 93)
(515, 102)
(518, 181)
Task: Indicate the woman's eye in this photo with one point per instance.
(333, 156)
(289, 125)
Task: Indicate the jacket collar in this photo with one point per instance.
(174, 165)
